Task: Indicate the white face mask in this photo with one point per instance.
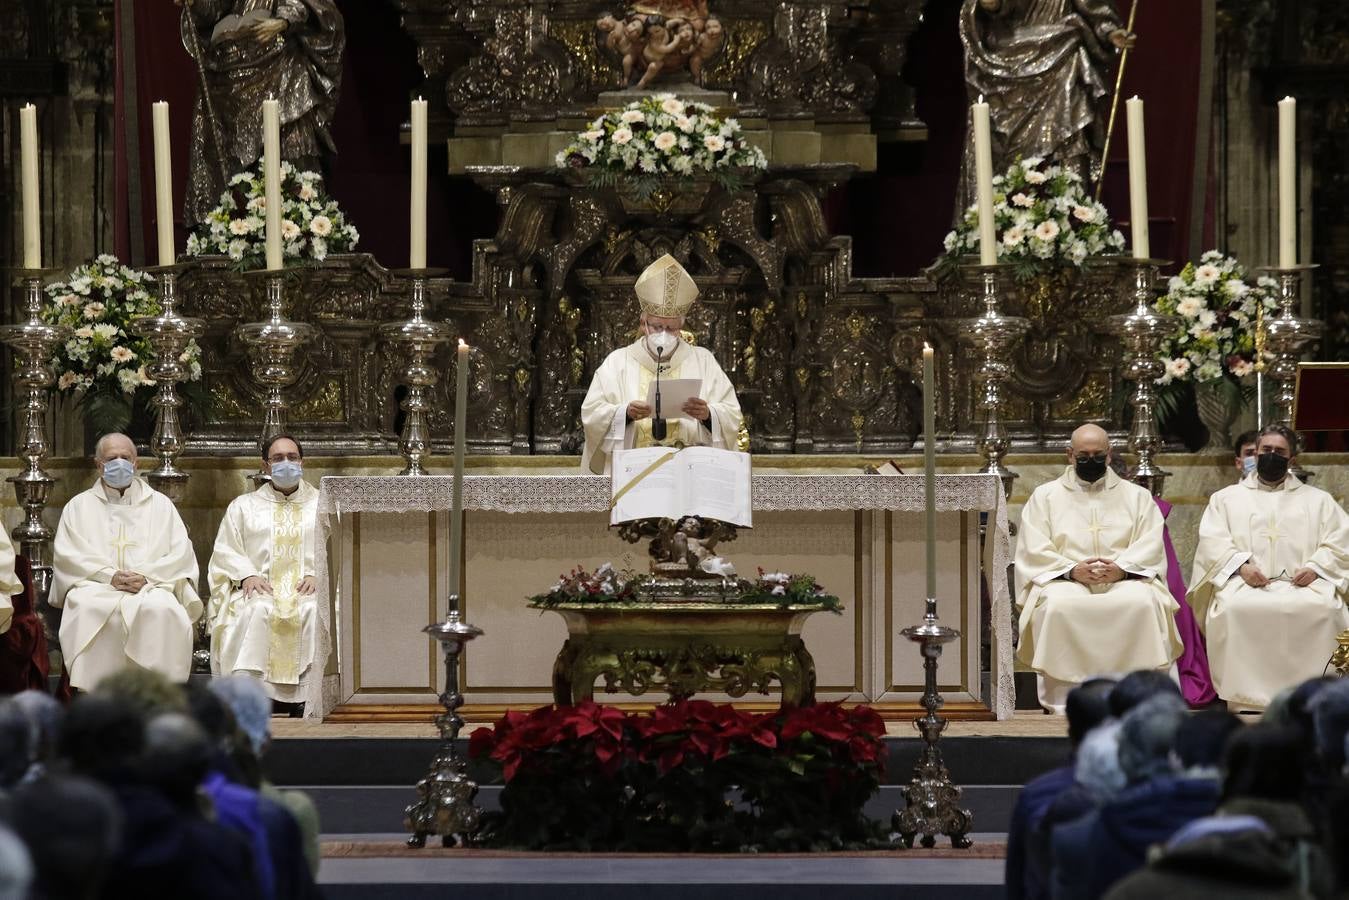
(118, 473)
(286, 474)
(662, 343)
(1247, 465)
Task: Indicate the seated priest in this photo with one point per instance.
(616, 414)
(1270, 578)
(23, 640)
(262, 582)
(125, 574)
(1091, 575)
(9, 582)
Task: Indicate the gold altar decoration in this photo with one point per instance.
(1339, 660)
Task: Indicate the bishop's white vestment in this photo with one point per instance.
(625, 376)
(1070, 631)
(103, 629)
(270, 637)
(9, 582)
(1261, 640)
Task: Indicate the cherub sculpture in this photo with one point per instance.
(662, 39)
(708, 45)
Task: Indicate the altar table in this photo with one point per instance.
(384, 569)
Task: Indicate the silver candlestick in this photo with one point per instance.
(445, 804)
(931, 801)
(994, 335)
(1288, 336)
(420, 336)
(169, 334)
(1141, 331)
(33, 341)
(273, 344)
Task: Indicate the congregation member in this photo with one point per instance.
(263, 603)
(125, 575)
(1091, 575)
(1270, 577)
(615, 413)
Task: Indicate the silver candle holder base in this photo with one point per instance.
(420, 336)
(931, 801)
(1288, 336)
(272, 344)
(33, 341)
(993, 335)
(169, 335)
(1141, 331)
(445, 798)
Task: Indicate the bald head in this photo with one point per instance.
(1088, 441)
(114, 446)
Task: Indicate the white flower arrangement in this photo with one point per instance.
(1043, 219)
(312, 225)
(659, 137)
(103, 363)
(1216, 310)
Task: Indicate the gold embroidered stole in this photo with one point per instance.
(283, 649)
(642, 428)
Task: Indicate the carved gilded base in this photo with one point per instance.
(683, 650)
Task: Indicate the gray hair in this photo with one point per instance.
(252, 708)
(1098, 768)
(1147, 734)
(101, 444)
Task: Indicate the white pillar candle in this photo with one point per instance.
(271, 170)
(32, 211)
(1138, 180)
(1287, 183)
(929, 472)
(983, 171)
(417, 246)
(457, 494)
(163, 183)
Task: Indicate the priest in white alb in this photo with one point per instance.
(616, 414)
(1091, 576)
(262, 579)
(9, 582)
(1270, 578)
(124, 574)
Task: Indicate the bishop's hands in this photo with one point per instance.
(1096, 571)
(637, 410)
(697, 408)
(131, 582)
(307, 586)
(256, 584)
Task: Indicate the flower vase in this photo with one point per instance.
(1219, 403)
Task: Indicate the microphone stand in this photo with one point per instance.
(658, 426)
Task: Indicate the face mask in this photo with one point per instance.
(118, 473)
(286, 474)
(1247, 465)
(662, 343)
(1090, 469)
(1272, 467)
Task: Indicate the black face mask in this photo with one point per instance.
(1090, 469)
(1271, 467)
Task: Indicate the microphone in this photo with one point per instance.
(658, 426)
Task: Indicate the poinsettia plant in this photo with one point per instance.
(592, 777)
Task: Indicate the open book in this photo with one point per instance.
(665, 483)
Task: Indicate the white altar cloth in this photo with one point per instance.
(520, 494)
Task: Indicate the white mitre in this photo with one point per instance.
(665, 290)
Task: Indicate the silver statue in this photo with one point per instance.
(247, 51)
(1043, 67)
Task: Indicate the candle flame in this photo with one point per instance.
(419, 99)
(927, 348)
(980, 101)
(462, 345)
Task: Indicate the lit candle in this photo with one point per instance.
(983, 171)
(930, 471)
(417, 251)
(271, 170)
(163, 183)
(1287, 183)
(32, 212)
(1138, 180)
(457, 503)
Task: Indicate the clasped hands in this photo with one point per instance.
(131, 582)
(256, 584)
(1251, 574)
(695, 408)
(1096, 571)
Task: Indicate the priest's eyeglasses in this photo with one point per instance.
(1089, 457)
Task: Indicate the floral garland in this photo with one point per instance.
(662, 136)
(1043, 219)
(312, 225)
(607, 585)
(1215, 307)
(592, 777)
(104, 363)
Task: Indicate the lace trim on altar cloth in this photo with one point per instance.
(339, 495)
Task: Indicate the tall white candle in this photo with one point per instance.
(271, 171)
(930, 471)
(983, 173)
(32, 210)
(457, 496)
(1287, 183)
(1138, 180)
(417, 250)
(163, 183)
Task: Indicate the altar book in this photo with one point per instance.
(670, 483)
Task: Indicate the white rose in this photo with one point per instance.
(121, 354)
(621, 135)
(632, 116)
(665, 140)
(321, 226)
(1047, 230)
(714, 142)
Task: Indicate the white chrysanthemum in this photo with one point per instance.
(307, 192)
(665, 140)
(289, 230)
(1047, 230)
(321, 226)
(85, 332)
(1190, 307)
(93, 310)
(621, 136)
(241, 227)
(1178, 368)
(1022, 200)
(1236, 288)
(1084, 213)
(1014, 236)
(1206, 275)
(672, 106)
(105, 330)
(632, 116)
(1208, 318)
(67, 381)
(320, 249)
(237, 248)
(128, 381)
(121, 354)
(82, 284)
(1031, 162)
(1035, 177)
(714, 142)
